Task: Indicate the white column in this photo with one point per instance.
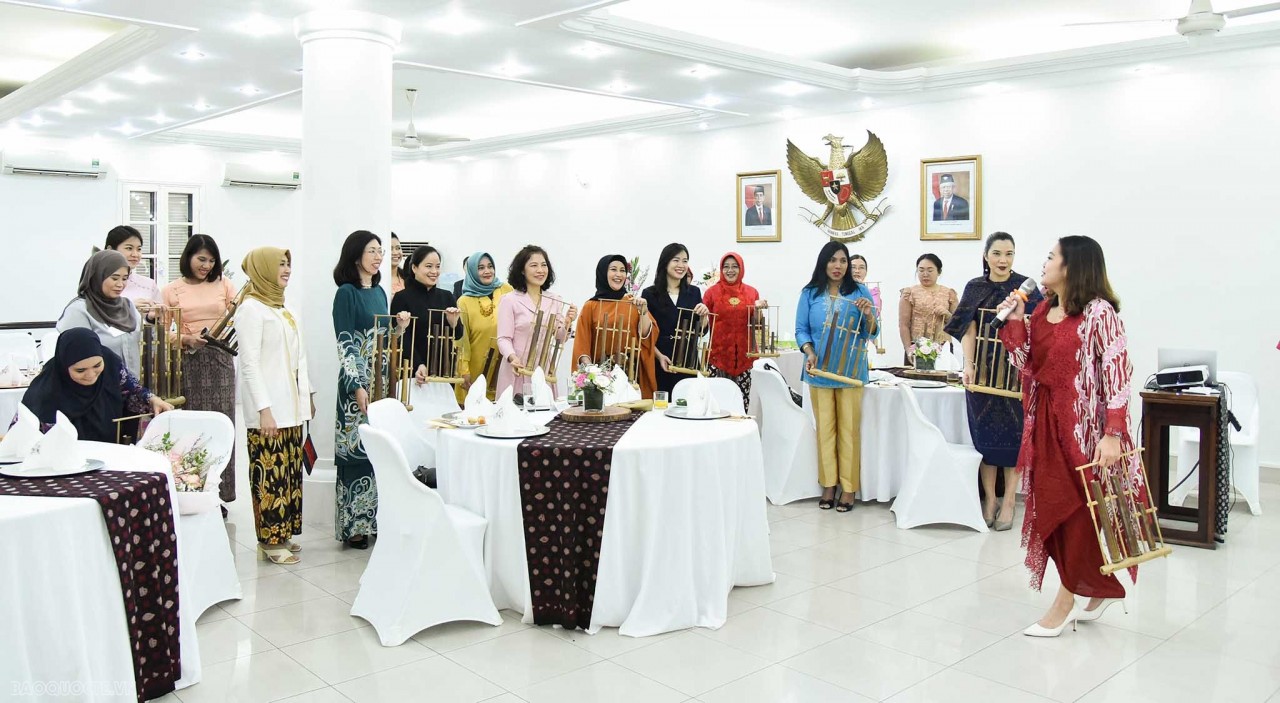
(346, 184)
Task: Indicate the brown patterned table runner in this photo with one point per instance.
(564, 487)
(139, 519)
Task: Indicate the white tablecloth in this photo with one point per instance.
(685, 522)
(60, 601)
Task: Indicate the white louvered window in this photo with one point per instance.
(166, 215)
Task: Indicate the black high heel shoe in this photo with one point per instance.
(358, 542)
(827, 503)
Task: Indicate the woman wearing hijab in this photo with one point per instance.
(481, 291)
(613, 307)
(731, 301)
(100, 306)
(421, 297)
(276, 397)
(86, 382)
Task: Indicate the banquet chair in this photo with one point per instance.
(193, 423)
(941, 482)
(48, 345)
(427, 564)
(430, 402)
(1244, 445)
(727, 394)
(788, 441)
(390, 416)
(20, 345)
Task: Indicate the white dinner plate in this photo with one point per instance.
(487, 431)
(458, 419)
(15, 471)
(681, 413)
(925, 384)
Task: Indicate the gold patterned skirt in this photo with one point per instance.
(275, 480)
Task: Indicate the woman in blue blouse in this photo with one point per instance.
(837, 407)
(670, 291)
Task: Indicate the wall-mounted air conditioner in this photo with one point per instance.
(254, 177)
(51, 163)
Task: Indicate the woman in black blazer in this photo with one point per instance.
(671, 290)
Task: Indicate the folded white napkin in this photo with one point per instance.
(477, 403)
(621, 390)
(882, 377)
(11, 372)
(542, 395)
(24, 434)
(700, 402)
(57, 450)
(507, 418)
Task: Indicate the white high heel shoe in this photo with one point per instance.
(1037, 630)
(1096, 613)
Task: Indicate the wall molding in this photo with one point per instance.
(608, 29)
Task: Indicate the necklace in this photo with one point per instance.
(486, 312)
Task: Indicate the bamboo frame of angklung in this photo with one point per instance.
(545, 346)
(392, 372)
(993, 372)
(222, 336)
(692, 343)
(442, 348)
(762, 335)
(1126, 525)
(840, 361)
(160, 345)
(120, 427)
(614, 338)
(878, 339)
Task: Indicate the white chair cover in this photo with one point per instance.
(48, 345)
(726, 393)
(426, 567)
(21, 346)
(390, 416)
(1244, 445)
(941, 479)
(187, 423)
(430, 402)
(788, 440)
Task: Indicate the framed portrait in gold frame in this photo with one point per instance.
(951, 198)
(759, 198)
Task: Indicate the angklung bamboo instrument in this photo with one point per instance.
(546, 344)
(1124, 519)
(161, 349)
(691, 348)
(391, 370)
(762, 334)
(993, 372)
(842, 354)
(222, 336)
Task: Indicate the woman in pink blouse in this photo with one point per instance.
(142, 290)
(208, 375)
(530, 274)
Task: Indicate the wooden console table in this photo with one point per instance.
(1162, 410)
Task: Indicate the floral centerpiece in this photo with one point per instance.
(189, 460)
(636, 276)
(708, 277)
(925, 352)
(593, 380)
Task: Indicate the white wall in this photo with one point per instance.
(1174, 174)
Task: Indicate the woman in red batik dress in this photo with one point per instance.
(1075, 371)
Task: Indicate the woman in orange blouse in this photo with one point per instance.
(208, 375)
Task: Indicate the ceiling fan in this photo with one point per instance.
(1200, 20)
(411, 140)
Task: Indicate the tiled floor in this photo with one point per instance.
(860, 611)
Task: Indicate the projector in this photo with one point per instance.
(1182, 377)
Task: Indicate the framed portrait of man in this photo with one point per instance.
(759, 199)
(951, 198)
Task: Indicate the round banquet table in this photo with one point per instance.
(60, 598)
(685, 521)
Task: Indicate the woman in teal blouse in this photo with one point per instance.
(837, 406)
(358, 299)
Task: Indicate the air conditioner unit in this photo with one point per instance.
(52, 163)
(254, 177)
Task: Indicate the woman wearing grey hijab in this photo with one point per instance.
(101, 307)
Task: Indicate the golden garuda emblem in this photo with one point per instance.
(844, 186)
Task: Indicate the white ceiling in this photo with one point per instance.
(494, 70)
(34, 41)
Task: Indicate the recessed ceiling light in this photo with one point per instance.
(700, 72)
(711, 101)
(703, 125)
(791, 88)
(141, 76)
(67, 109)
(511, 69)
(201, 106)
(102, 94)
(590, 50)
(619, 86)
(35, 120)
(455, 23)
(867, 103)
(192, 54)
(248, 89)
(127, 129)
(257, 25)
(160, 118)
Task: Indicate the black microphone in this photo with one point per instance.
(1024, 291)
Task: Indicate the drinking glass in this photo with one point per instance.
(660, 400)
